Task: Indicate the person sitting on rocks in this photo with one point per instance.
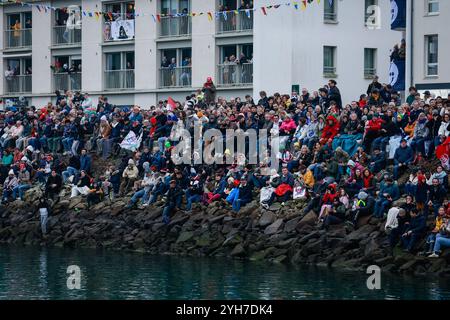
(24, 182)
(172, 195)
(53, 184)
(219, 185)
(161, 186)
(95, 194)
(284, 191)
(400, 221)
(435, 197)
(442, 238)
(415, 230)
(335, 214)
(242, 196)
(82, 187)
(403, 157)
(143, 192)
(327, 201)
(377, 160)
(194, 192)
(72, 168)
(8, 186)
(129, 176)
(439, 221)
(362, 207)
(388, 193)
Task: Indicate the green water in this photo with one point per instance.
(35, 273)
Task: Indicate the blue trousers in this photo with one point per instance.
(380, 207)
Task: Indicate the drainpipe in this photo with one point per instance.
(411, 41)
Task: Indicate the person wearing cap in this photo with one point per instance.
(362, 206)
(8, 186)
(172, 198)
(129, 176)
(388, 193)
(403, 157)
(415, 231)
(24, 181)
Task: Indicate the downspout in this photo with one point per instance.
(411, 41)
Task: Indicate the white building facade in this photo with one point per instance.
(428, 66)
(143, 59)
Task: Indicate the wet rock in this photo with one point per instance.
(309, 219)
(238, 251)
(291, 224)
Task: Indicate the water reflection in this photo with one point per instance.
(35, 273)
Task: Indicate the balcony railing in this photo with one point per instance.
(18, 84)
(175, 26)
(232, 22)
(64, 36)
(175, 77)
(18, 38)
(67, 81)
(370, 72)
(235, 74)
(329, 70)
(330, 17)
(119, 79)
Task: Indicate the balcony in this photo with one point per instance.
(119, 79)
(175, 27)
(119, 27)
(369, 73)
(329, 71)
(330, 17)
(178, 77)
(64, 36)
(231, 75)
(15, 39)
(18, 84)
(67, 81)
(240, 22)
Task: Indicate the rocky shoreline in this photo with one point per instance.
(279, 235)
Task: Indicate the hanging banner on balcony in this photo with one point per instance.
(397, 75)
(398, 15)
(122, 30)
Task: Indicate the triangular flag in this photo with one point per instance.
(171, 105)
(154, 18)
(158, 17)
(330, 2)
(210, 17)
(264, 11)
(296, 5)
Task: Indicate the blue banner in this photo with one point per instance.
(397, 75)
(398, 15)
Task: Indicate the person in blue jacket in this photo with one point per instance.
(389, 192)
(403, 156)
(415, 231)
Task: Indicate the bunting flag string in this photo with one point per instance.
(157, 17)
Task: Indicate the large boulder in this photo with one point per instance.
(267, 218)
(274, 227)
(309, 219)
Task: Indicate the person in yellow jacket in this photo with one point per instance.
(439, 222)
(307, 177)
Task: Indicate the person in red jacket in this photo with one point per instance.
(372, 130)
(327, 199)
(330, 131)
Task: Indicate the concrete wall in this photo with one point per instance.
(41, 59)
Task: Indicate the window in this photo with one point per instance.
(18, 30)
(18, 75)
(235, 66)
(119, 70)
(370, 69)
(432, 7)
(175, 26)
(175, 68)
(119, 21)
(330, 11)
(329, 61)
(369, 10)
(431, 47)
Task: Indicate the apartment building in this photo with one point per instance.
(137, 59)
(428, 68)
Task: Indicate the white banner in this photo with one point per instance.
(122, 30)
(131, 142)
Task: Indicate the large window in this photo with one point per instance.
(18, 75)
(235, 21)
(236, 65)
(119, 21)
(329, 61)
(18, 30)
(176, 66)
(330, 11)
(119, 70)
(370, 68)
(432, 7)
(62, 35)
(67, 73)
(431, 48)
(172, 25)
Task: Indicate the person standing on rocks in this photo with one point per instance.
(44, 210)
(172, 196)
